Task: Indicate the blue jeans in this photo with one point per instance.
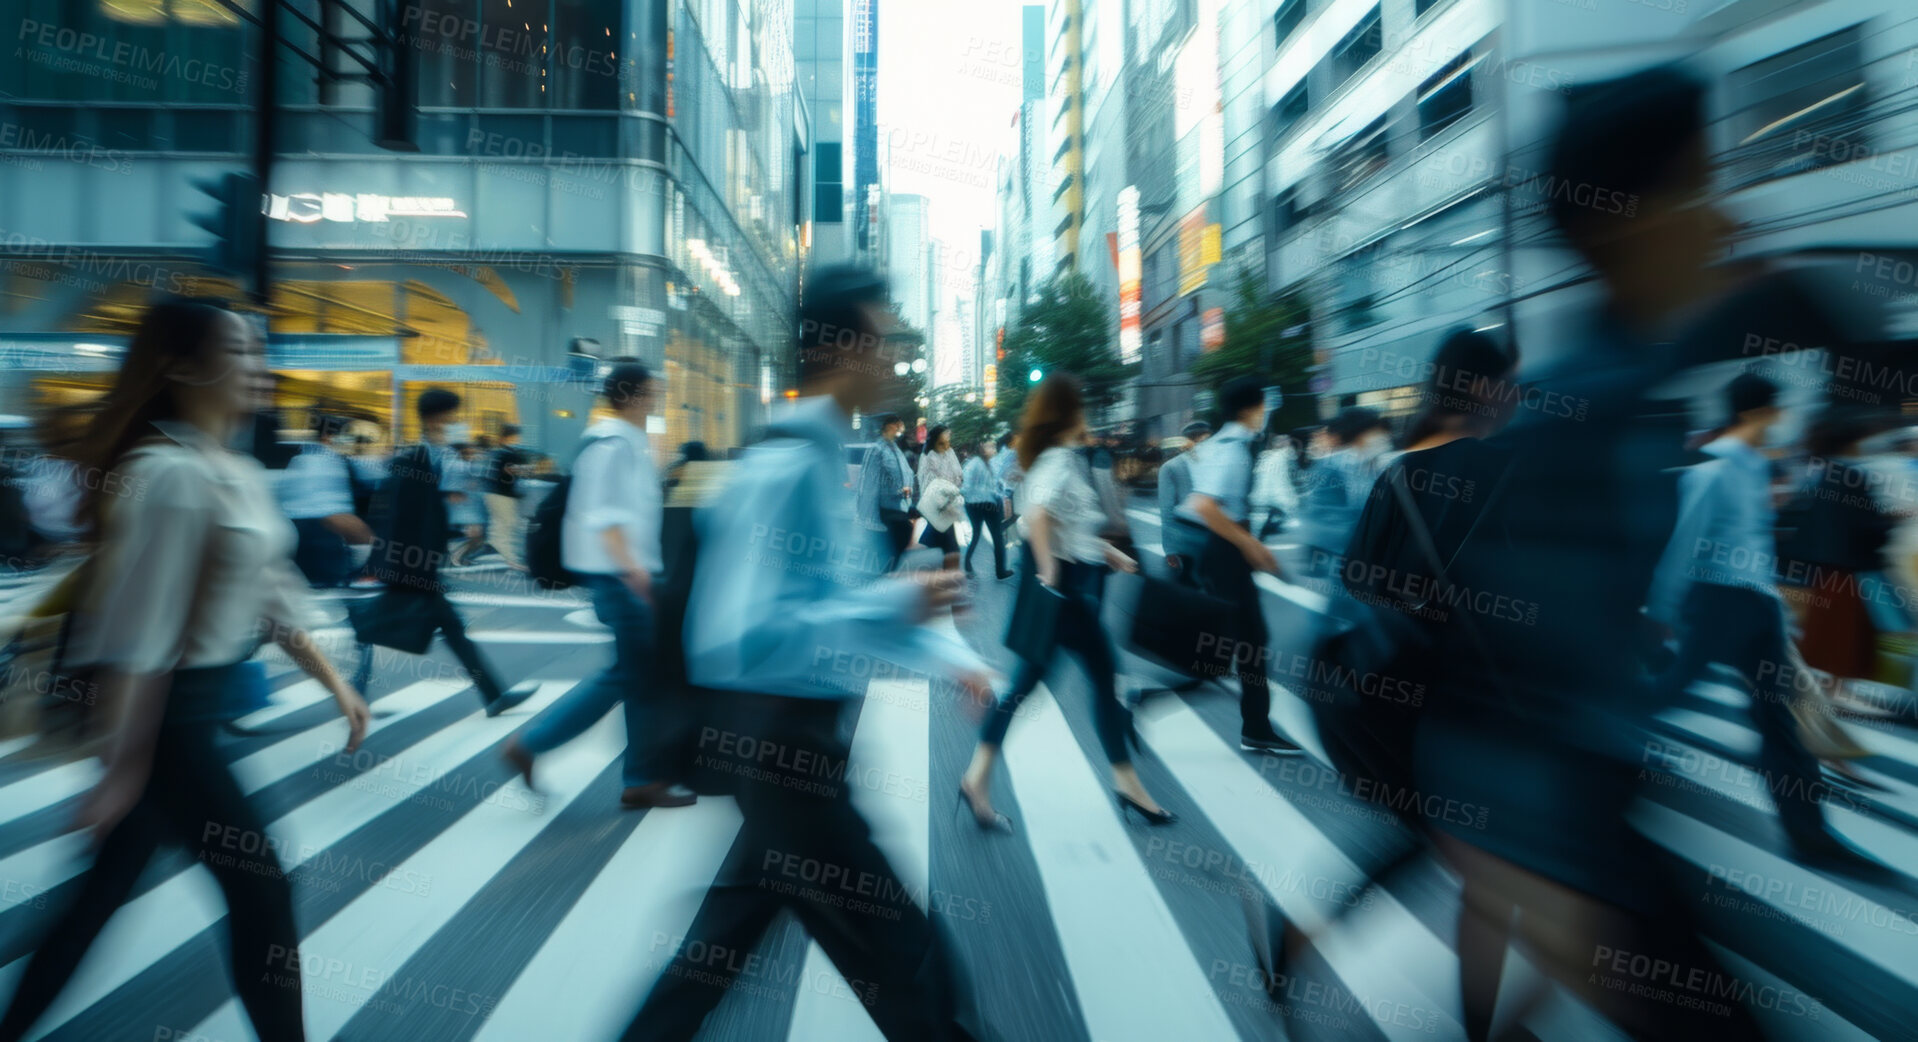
(628, 680)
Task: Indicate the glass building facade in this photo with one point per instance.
(602, 178)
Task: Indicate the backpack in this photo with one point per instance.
(545, 558)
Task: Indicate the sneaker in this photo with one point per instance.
(1273, 743)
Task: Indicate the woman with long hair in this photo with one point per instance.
(1064, 554)
(939, 463)
(191, 571)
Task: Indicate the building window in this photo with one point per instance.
(1422, 6)
(1359, 157)
(178, 51)
(1288, 211)
(447, 79)
(1799, 110)
(829, 203)
(1357, 294)
(1359, 46)
(585, 56)
(1290, 14)
(1289, 110)
(1446, 98)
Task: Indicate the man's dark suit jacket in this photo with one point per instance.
(414, 526)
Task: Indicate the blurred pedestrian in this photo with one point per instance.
(1541, 721)
(1217, 514)
(503, 469)
(1007, 469)
(689, 452)
(1717, 588)
(940, 478)
(610, 537)
(1337, 485)
(1181, 543)
(1838, 535)
(408, 554)
(465, 500)
(984, 508)
(316, 494)
(1275, 485)
(763, 626)
(1065, 560)
(191, 571)
(885, 487)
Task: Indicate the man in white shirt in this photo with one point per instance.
(1218, 511)
(610, 538)
(316, 493)
(1181, 542)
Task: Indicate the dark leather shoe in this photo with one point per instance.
(658, 794)
(510, 698)
(1272, 743)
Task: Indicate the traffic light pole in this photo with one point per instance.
(266, 105)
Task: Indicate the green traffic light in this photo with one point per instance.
(1036, 375)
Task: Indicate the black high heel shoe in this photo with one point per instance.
(996, 823)
(1152, 817)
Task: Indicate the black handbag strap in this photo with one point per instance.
(1441, 569)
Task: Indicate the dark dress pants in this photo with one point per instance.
(987, 516)
(1223, 573)
(446, 619)
(191, 799)
(1745, 629)
(1080, 632)
(804, 849)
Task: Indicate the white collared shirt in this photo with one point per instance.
(194, 558)
(1222, 472)
(614, 483)
(316, 483)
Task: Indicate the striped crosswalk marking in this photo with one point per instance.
(607, 897)
(1137, 976)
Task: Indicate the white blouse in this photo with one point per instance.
(1060, 483)
(194, 560)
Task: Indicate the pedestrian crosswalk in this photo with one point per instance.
(439, 899)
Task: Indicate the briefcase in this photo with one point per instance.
(1185, 629)
(395, 619)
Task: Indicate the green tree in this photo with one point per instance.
(969, 420)
(1257, 344)
(1068, 329)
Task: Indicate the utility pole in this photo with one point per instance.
(266, 105)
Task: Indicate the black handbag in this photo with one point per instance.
(1033, 631)
(395, 619)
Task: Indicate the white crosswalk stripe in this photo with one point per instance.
(1131, 965)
